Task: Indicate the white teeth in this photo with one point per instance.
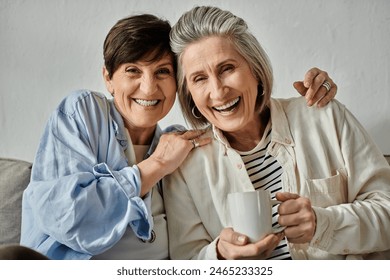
(230, 104)
(146, 103)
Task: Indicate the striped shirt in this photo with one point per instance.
(265, 173)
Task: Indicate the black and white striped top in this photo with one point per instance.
(265, 173)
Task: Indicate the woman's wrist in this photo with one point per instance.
(151, 172)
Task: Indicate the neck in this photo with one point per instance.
(141, 135)
(247, 138)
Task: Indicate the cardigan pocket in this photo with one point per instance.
(327, 191)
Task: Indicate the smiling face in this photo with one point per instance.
(144, 92)
(221, 84)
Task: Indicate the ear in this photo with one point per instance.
(107, 80)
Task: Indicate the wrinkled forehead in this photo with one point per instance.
(209, 53)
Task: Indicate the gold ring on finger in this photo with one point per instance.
(194, 143)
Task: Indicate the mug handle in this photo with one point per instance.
(280, 228)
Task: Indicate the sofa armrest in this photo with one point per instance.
(14, 178)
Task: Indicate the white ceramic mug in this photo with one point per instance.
(251, 213)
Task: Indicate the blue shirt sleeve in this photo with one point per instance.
(82, 191)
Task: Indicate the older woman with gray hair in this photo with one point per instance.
(330, 177)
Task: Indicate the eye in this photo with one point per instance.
(198, 79)
(227, 68)
(163, 71)
(132, 70)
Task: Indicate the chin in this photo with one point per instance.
(229, 128)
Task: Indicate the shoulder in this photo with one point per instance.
(297, 107)
(83, 100)
(174, 128)
(293, 116)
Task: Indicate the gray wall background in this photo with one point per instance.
(51, 47)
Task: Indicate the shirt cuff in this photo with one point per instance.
(324, 229)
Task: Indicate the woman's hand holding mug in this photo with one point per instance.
(297, 215)
(252, 235)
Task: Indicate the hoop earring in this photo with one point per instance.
(260, 89)
(193, 113)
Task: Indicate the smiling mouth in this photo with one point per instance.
(228, 107)
(146, 103)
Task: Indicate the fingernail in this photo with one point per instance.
(241, 239)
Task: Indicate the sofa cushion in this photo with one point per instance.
(14, 178)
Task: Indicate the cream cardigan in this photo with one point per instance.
(326, 156)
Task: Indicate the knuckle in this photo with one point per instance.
(306, 217)
(320, 79)
(314, 71)
(304, 201)
(225, 233)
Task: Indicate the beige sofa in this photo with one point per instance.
(14, 177)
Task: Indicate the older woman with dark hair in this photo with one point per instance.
(332, 180)
(95, 190)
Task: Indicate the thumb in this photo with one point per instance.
(300, 88)
(284, 196)
(233, 237)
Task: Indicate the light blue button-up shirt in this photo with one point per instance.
(83, 192)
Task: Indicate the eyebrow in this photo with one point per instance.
(165, 64)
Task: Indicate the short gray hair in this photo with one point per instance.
(205, 21)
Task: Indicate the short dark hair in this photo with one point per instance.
(134, 38)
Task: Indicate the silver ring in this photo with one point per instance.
(327, 85)
(195, 143)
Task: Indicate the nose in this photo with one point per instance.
(148, 84)
(217, 89)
